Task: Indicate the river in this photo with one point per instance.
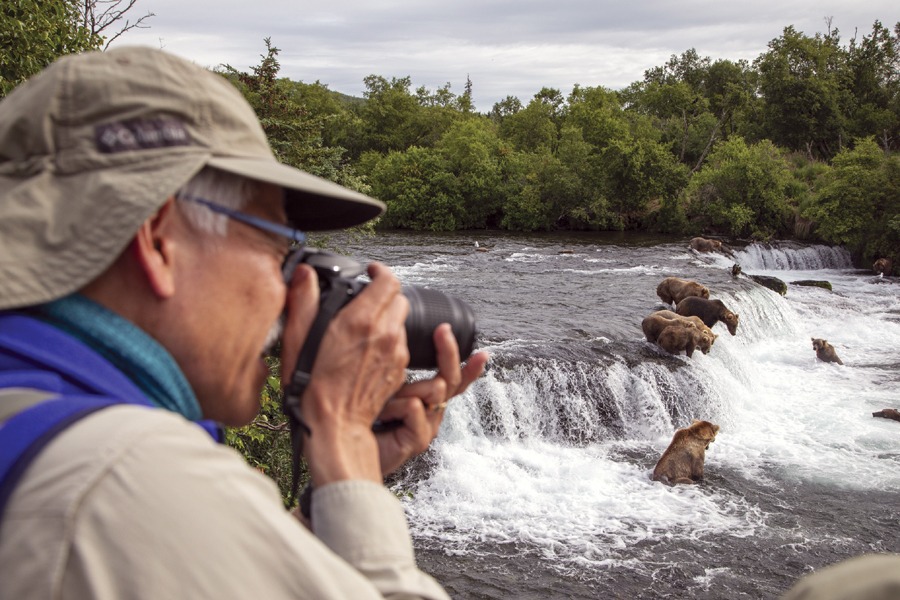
(538, 485)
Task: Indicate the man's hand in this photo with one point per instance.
(360, 364)
(420, 405)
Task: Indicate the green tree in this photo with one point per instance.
(858, 203)
(693, 102)
(586, 207)
(597, 112)
(804, 83)
(548, 192)
(294, 134)
(742, 190)
(474, 155)
(506, 107)
(420, 191)
(34, 33)
(639, 170)
(730, 89)
(874, 65)
(391, 118)
(672, 95)
(329, 108)
(533, 128)
(630, 166)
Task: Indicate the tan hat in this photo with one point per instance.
(95, 144)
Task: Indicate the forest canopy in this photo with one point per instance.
(801, 142)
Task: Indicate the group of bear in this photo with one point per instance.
(688, 328)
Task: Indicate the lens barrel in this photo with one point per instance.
(428, 308)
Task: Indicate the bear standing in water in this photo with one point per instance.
(883, 266)
(682, 462)
(825, 351)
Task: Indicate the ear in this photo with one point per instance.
(154, 248)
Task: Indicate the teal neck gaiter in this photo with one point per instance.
(141, 358)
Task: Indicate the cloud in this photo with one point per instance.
(505, 47)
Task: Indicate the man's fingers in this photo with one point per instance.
(301, 308)
(447, 357)
(472, 370)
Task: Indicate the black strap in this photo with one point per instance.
(334, 299)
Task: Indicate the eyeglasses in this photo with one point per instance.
(295, 235)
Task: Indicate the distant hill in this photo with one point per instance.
(318, 93)
(349, 100)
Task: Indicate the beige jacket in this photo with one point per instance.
(139, 503)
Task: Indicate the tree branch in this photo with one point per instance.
(98, 16)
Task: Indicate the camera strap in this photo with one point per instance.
(331, 303)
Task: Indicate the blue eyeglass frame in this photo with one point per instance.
(295, 235)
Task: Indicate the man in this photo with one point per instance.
(143, 225)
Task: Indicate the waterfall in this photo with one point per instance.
(631, 391)
(790, 256)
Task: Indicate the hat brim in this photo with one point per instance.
(312, 203)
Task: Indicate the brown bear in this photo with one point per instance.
(704, 245)
(682, 462)
(883, 266)
(673, 290)
(825, 351)
(888, 413)
(674, 338)
(710, 311)
(655, 322)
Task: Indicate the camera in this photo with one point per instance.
(339, 284)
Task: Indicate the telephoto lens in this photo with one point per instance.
(428, 308)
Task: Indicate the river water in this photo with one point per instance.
(538, 485)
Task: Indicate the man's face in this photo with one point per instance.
(233, 295)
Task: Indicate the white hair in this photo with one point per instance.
(224, 189)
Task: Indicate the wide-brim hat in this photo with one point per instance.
(96, 143)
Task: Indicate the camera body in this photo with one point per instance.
(339, 283)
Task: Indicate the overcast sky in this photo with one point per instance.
(506, 47)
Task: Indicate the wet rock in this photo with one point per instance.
(825, 285)
(773, 283)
